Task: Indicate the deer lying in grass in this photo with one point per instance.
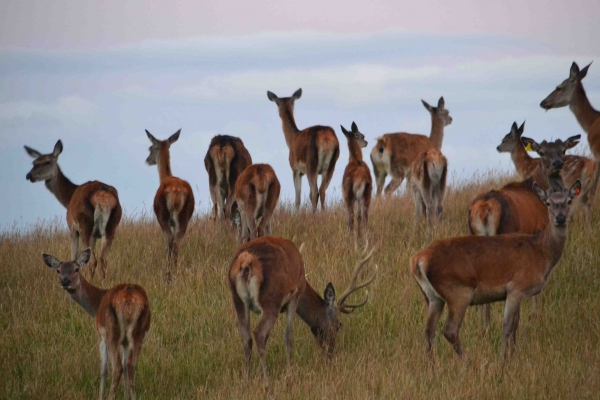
(256, 193)
(267, 277)
(395, 152)
(122, 316)
(574, 167)
(174, 199)
(473, 270)
(93, 208)
(313, 151)
(427, 178)
(357, 185)
(225, 160)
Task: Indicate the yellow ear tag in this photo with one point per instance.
(528, 147)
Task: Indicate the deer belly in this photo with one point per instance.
(248, 290)
(485, 295)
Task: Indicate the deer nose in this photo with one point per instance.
(557, 164)
(561, 219)
(65, 282)
(28, 177)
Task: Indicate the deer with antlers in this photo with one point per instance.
(122, 316)
(313, 151)
(475, 270)
(267, 277)
(256, 193)
(357, 184)
(225, 160)
(93, 208)
(394, 153)
(174, 199)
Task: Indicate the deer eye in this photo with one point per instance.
(76, 269)
(541, 153)
(548, 204)
(57, 271)
(569, 201)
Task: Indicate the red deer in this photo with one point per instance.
(174, 200)
(474, 270)
(574, 168)
(313, 151)
(427, 178)
(225, 160)
(93, 208)
(267, 277)
(357, 185)
(122, 316)
(395, 152)
(256, 193)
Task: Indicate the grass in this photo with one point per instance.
(48, 346)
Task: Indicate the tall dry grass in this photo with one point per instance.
(48, 347)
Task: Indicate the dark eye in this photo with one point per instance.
(569, 201)
(541, 153)
(76, 269)
(558, 88)
(57, 271)
(47, 163)
(548, 204)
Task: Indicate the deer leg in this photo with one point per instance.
(457, 309)
(379, 180)
(251, 222)
(289, 318)
(105, 249)
(418, 199)
(244, 233)
(314, 190)
(129, 367)
(484, 313)
(350, 208)
(325, 180)
(510, 323)
(434, 312)
(243, 316)
(393, 185)
(359, 216)
(117, 367)
(103, 366)
(261, 335)
(298, 187)
(89, 241)
(74, 243)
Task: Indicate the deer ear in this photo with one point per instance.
(583, 72)
(272, 96)
(174, 137)
(84, 257)
(427, 106)
(574, 71)
(51, 261)
(441, 102)
(529, 144)
(297, 94)
(329, 295)
(58, 148)
(354, 127)
(572, 141)
(344, 131)
(33, 153)
(514, 128)
(575, 189)
(521, 128)
(152, 138)
(540, 193)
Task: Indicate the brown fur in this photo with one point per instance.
(122, 319)
(93, 208)
(225, 160)
(313, 151)
(256, 193)
(427, 179)
(474, 270)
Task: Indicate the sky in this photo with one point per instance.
(97, 76)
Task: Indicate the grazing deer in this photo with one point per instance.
(122, 316)
(313, 151)
(174, 199)
(267, 277)
(93, 208)
(395, 152)
(473, 270)
(225, 160)
(427, 177)
(256, 193)
(357, 184)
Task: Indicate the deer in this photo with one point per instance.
(515, 208)
(475, 270)
(570, 92)
(574, 168)
(256, 194)
(313, 151)
(122, 316)
(427, 178)
(225, 160)
(394, 153)
(357, 184)
(174, 199)
(267, 277)
(93, 208)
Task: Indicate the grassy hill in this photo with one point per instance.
(49, 348)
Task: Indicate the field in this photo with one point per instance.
(48, 346)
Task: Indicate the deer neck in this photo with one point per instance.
(355, 151)
(521, 159)
(311, 309)
(553, 242)
(288, 123)
(88, 296)
(164, 162)
(437, 132)
(584, 112)
(61, 187)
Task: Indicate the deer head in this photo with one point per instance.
(512, 139)
(355, 134)
(68, 271)
(285, 101)
(45, 166)
(563, 94)
(558, 202)
(551, 153)
(439, 112)
(158, 144)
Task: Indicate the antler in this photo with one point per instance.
(353, 287)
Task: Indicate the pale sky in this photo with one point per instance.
(97, 76)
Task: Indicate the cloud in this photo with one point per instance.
(67, 110)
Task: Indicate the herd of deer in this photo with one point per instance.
(517, 233)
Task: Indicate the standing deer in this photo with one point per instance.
(473, 270)
(571, 93)
(256, 193)
(225, 160)
(122, 316)
(313, 151)
(357, 184)
(267, 277)
(395, 152)
(93, 208)
(427, 177)
(174, 199)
